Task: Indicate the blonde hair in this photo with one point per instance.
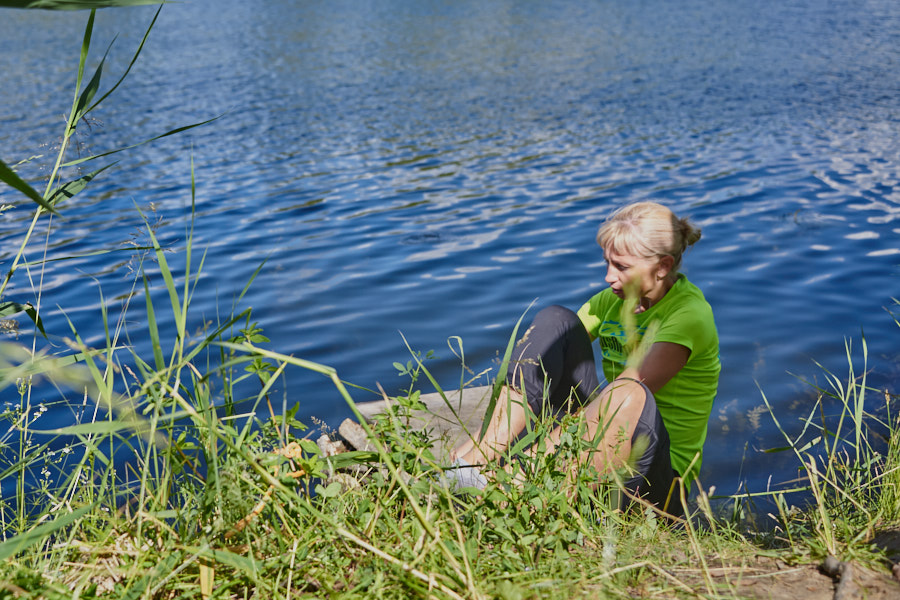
(647, 230)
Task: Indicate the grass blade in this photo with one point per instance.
(70, 189)
(22, 541)
(133, 60)
(81, 107)
(153, 328)
(166, 273)
(73, 4)
(147, 141)
(500, 380)
(8, 309)
(9, 177)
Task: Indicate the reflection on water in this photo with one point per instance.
(432, 168)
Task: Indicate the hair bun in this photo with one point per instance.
(690, 233)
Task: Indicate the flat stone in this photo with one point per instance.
(448, 419)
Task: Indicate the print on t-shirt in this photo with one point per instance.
(611, 336)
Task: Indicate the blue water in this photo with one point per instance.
(425, 170)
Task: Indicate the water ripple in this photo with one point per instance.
(434, 168)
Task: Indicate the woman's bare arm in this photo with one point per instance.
(662, 363)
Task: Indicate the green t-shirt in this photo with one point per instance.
(685, 402)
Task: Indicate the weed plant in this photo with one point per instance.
(849, 457)
(178, 481)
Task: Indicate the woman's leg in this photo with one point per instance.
(511, 413)
(611, 417)
(655, 478)
(621, 417)
(550, 362)
(553, 363)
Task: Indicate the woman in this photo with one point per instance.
(665, 398)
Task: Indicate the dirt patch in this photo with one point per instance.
(779, 581)
(772, 579)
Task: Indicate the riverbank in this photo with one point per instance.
(189, 484)
(277, 515)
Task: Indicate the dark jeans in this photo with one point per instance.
(553, 366)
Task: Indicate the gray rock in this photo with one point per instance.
(355, 435)
(329, 447)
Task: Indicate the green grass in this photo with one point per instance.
(209, 507)
(178, 478)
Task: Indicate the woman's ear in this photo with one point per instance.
(666, 264)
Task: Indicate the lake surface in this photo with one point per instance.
(426, 170)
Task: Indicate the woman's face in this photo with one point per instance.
(646, 274)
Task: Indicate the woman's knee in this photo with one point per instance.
(624, 402)
(552, 358)
(555, 315)
(548, 328)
